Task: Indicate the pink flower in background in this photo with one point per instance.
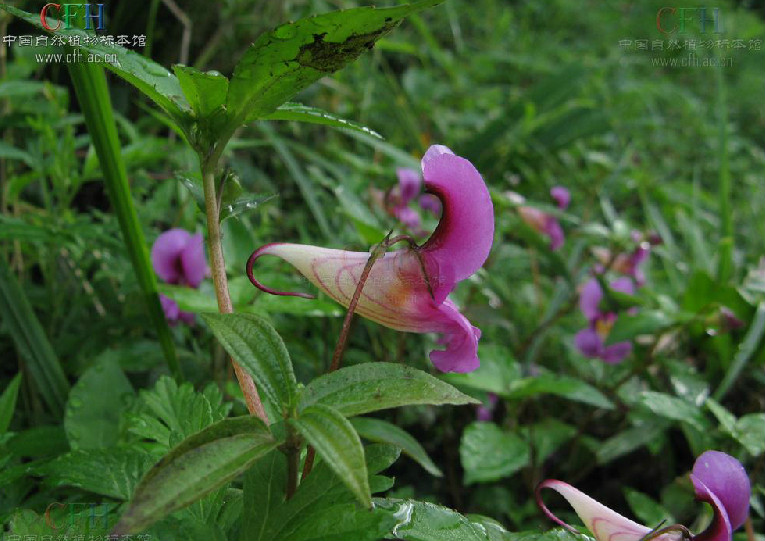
(718, 479)
(485, 412)
(630, 263)
(546, 223)
(178, 257)
(591, 341)
(408, 289)
(396, 203)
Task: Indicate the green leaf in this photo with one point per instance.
(726, 419)
(547, 436)
(354, 390)
(110, 472)
(424, 521)
(255, 345)
(676, 409)
(337, 442)
(628, 440)
(31, 341)
(647, 509)
(750, 430)
(268, 517)
(312, 115)
(629, 326)
(194, 468)
(205, 91)
(170, 412)
(496, 374)
(95, 403)
(8, 152)
(93, 95)
(488, 453)
(564, 386)
(746, 350)
(8, 403)
(384, 432)
(291, 57)
(152, 79)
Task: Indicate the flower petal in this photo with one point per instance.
(615, 353)
(554, 231)
(720, 529)
(725, 478)
(604, 523)
(409, 183)
(397, 294)
(623, 285)
(408, 217)
(165, 254)
(562, 196)
(170, 307)
(589, 299)
(588, 341)
(465, 232)
(193, 261)
(430, 202)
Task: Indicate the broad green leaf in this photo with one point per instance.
(375, 386)
(750, 430)
(673, 408)
(152, 79)
(291, 57)
(646, 509)
(92, 418)
(424, 521)
(336, 442)
(496, 374)
(8, 403)
(384, 432)
(110, 472)
(547, 436)
(628, 440)
(629, 326)
(268, 517)
(169, 412)
(312, 115)
(564, 386)
(488, 453)
(194, 468)
(254, 344)
(31, 342)
(726, 419)
(205, 91)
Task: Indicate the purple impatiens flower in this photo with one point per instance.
(546, 223)
(718, 479)
(408, 289)
(591, 340)
(178, 257)
(397, 203)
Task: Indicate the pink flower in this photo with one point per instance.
(591, 341)
(178, 257)
(718, 479)
(485, 411)
(547, 223)
(408, 289)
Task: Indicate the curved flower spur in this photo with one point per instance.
(407, 290)
(718, 479)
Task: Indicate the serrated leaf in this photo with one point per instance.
(564, 386)
(337, 442)
(313, 115)
(424, 521)
(375, 386)
(291, 57)
(95, 403)
(110, 472)
(152, 79)
(197, 466)
(384, 432)
(488, 453)
(170, 412)
(256, 346)
(8, 403)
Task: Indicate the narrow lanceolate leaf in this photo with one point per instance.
(282, 62)
(197, 466)
(338, 444)
(8, 403)
(90, 85)
(312, 115)
(256, 346)
(381, 431)
(375, 386)
(32, 344)
(152, 79)
(746, 351)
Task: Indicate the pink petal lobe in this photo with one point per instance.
(165, 254)
(465, 232)
(193, 261)
(720, 529)
(562, 196)
(589, 299)
(409, 183)
(725, 478)
(460, 338)
(604, 523)
(589, 342)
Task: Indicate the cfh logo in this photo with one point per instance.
(671, 20)
(66, 12)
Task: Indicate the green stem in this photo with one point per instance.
(220, 279)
